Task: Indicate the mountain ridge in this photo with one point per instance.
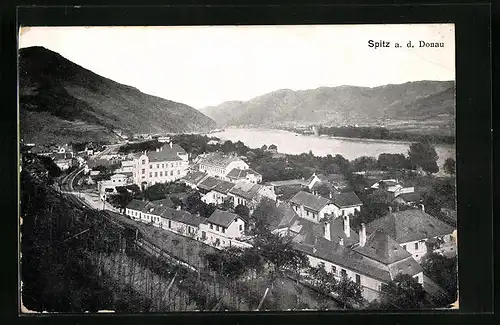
(55, 92)
(427, 102)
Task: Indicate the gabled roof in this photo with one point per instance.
(181, 216)
(136, 205)
(208, 183)
(310, 201)
(289, 182)
(410, 225)
(218, 160)
(237, 173)
(222, 218)
(410, 197)
(287, 192)
(344, 200)
(283, 216)
(223, 187)
(246, 190)
(381, 247)
(166, 153)
(195, 177)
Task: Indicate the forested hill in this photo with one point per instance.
(60, 100)
(412, 105)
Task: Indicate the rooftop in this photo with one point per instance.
(310, 201)
(166, 153)
(194, 177)
(218, 160)
(410, 225)
(237, 173)
(222, 218)
(246, 190)
(411, 197)
(344, 200)
(208, 183)
(381, 247)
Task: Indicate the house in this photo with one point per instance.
(244, 175)
(192, 179)
(410, 199)
(165, 164)
(216, 190)
(312, 207)
(392, 186)
(219, 165)
(335, 182)
(249, 195)
(414, 230)
(222, 228)
(347, 203)
(370, 261)
(64, 160)
(65, 149)
(213, 142)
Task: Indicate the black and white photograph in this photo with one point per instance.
(237, 168)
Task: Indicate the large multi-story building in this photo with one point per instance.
(166, 164)
(219, 165)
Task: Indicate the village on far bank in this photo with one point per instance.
(373, 221)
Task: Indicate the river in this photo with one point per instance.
(293, 143)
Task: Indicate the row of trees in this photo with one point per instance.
(383, 134)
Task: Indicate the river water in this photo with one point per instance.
(293, 143)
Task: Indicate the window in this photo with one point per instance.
(161, 174)
(404, 246)
(169, 224)
(241, 227)
(113, 181)
(162, 165)
(150, 166)
(211, 226)
(218, 228)
(334, 269)
(358, 279)
(343, 272)
(223, 230)
(144, 161)
(156, 174)
(203, 235)
(150, 174)
(416, 246)
(143, 171)
(171, 172)
(157, 165)
(172, 165)
(178, 172)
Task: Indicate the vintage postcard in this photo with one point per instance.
(237, 168)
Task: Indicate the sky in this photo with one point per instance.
(208, 65)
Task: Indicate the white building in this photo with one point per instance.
(219, 165)
(222, 228)
(166, 164)
(250, 195)
(413, 229)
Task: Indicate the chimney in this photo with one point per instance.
(347, 227)
(341, 241)
(390, 209)
(362, 235)
(178, 208)
(327, 231)
(170, 144)
(330, 194)
(157, 149)
(422, 207)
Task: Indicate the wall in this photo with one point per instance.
(370, 286)
(240, 164)
(234, 231)
(158, 172)
(214, 197)
(417, 253)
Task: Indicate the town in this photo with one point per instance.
(352, 233)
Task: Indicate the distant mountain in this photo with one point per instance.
(421, 102)
(60, 100)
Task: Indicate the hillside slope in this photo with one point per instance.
(61, 100)
(421, 101)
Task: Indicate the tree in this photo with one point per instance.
(263, 148)
(443, 271)
(349, 292)
(364, 163)
(323, 189)
(263, 216)
(424, 155)
(449, 166)
(324, 282)
(392, 161)
(403, 292)
(242, 210)
(280, 252)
